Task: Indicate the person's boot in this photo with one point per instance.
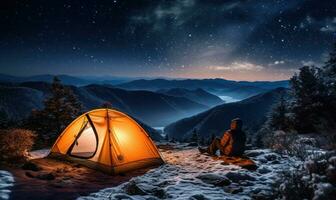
(202, 150)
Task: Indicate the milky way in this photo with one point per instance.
(242, 40)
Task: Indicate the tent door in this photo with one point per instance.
(86, 143)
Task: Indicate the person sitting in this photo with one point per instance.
(231, 144)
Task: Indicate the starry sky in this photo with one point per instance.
(231, 39)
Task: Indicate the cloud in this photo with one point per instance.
(308, 63)
(277, 62)
(330, 25)
(324, 25)
(158, 15)
(237, 66)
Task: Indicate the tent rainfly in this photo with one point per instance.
(107, 140)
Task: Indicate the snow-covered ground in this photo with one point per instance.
(7, 179)
(188, 174)
(6, 182)
(38, 153)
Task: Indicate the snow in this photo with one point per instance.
(188, 174)
(38, 154)
(6, 181)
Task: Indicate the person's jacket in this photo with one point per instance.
(233, 142)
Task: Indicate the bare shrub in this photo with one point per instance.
(292, 144)
(15, 143)
(280, 141)
(294, 186)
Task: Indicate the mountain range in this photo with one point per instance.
(66, 79)
(219, 87)
(198, 95)
(155, 109)
(253, 111)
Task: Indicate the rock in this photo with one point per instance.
(192, 144)
(30, 175)
(31, 166)
(198, 197)
(45, 176)
(317, 178)
(324, 191)
(316, 167)
(132, 189)
(262, 160)
(262, 196)
(274, 162)
(159, 193)
(264, 170)
(332, 161)
(331, 174)
(233, 189)
(271, 157)
(237, 177)
(254, 153)
(214, 179)
(246, 183)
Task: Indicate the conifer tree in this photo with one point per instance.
(60, 108)
(278, 118)
(194, 136)
(308, 91)
(329, 78)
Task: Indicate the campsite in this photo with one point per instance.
(168, 99)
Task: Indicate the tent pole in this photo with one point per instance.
(109, 139)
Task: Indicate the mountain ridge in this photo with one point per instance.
(216, 120)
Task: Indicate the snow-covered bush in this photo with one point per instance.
(315, 179)
(15, 143)
(295, 186)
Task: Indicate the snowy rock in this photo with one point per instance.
(193, 144)
(133, 189)
(233, 189)
(324, 191)
(239, 176)
(316, 178)
(271, 157)
(263, 195)
(198, 197)
(332, 160)
(188, 174)
(254, 153)
(264, 170)
(316, 167)
(214, 179)
(331, 174)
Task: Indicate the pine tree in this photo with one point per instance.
(59, 110)
(3, 120)
(309, 93)
(194, 136)
(278, 118)
(329, 78)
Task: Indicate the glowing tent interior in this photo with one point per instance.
(107, 140)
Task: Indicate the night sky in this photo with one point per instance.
(232, 39)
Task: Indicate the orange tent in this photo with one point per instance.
(107, 140)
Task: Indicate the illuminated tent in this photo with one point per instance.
(107, 140)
